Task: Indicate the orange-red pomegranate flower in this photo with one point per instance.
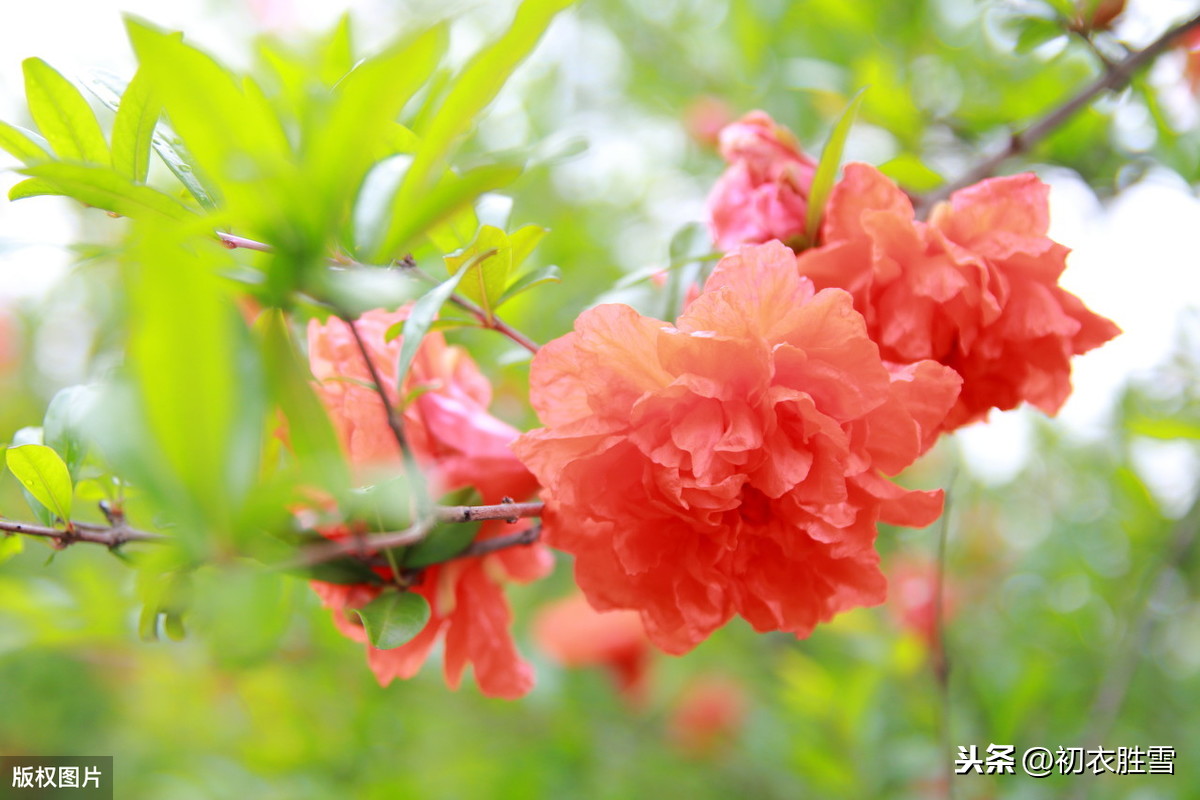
(459, 444)
(975, 288)
(763, 194)
(730, 464)
(576, 635)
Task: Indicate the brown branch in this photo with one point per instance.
(365, 546)
(493, 322)
(506, 511)
(110, 537)
(1115, 77)
(522, 538)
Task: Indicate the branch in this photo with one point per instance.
(111, 537)
(494, 322)
(1114, 78)
(365, 546)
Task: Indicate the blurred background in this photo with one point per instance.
(1072, 609)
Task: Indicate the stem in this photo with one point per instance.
(111, 537)
(1114, 78)
(509, 511)
(492, 321)
(1110, 695)
(395, 422)
(526, 537)
(941, 659)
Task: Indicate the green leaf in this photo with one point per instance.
(105, 188)
(486, 277)
(310, 432)
(549, 274)
(24, 145)
(912, 173)
(421, 317)
(62, 115)
(34, 187)
(471, 91)
(344, 571)
(442, 544)
(63, 425)
(10, 546)
(1033, 32)
(45, 475)
(133, 129)
(826, 174)
(450, 196)
(523, 242)
(394, 618)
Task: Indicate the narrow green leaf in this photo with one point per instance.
(343, 571)
(108, 89)
(1033, 32)
(133, 129)
(523, 241)
(34, 187)
(420, 318)
(532, 278)
(103, 187)
(826, 174)
(24, 145)
(62, 115)
(10, 546)
(43, 473)
(394, 618)
(450, 196)
(486, 277)
(442, 544)
(469, 94)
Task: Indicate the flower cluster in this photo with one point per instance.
(732, 463)
(459, 444)
(764, 193)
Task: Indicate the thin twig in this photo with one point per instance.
(359, 546)
(1110, 695)
(493, 322)
(83, 532)
(941, 658)
(1114, 78)
(506, 511)
(481, 548)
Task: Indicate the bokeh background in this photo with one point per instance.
(1072, 613)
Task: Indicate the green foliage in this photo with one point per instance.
(43, 472)
(394, 618)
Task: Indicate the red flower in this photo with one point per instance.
(458, 444)
(763, 195)
(730, 464)
(575, 635)
(976, 288)
(708, 716)
(912, 597)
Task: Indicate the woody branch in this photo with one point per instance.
(1116, 76)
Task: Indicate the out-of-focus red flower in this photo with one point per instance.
(975, 288)
(1096, 15)
(576, 635)
(458, 444)
(763, 194)
(704, 119)
(912, 597)
(1190, 43)
(732, 463)
(708, 716)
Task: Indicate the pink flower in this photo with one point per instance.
(732, 463)
(975, 288)
(763, 194)
(458, 444)
(708, 716)
(574, 634)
